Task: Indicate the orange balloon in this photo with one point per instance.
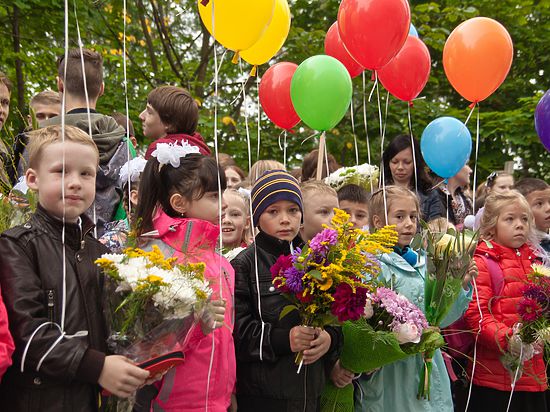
(477, 57)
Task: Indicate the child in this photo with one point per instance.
(537, 193)
(319, 202)
(506, 227)
(54, 298)
(353, 200)
(6, 341)
(178, 209)
(262, 166)
(394, 387)
(265, 344)
(236, 222)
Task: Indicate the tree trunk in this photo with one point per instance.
(18, 63)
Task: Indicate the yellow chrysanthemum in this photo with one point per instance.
(105, 263)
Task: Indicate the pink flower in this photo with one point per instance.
(282, 264)
(529, 309)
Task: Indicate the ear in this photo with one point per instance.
(134, 196)
(179, 203)
(101, 90)
(60, 85)
(29, 120)
(378, 223)
(32, 179)
(247, 223)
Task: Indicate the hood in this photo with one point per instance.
(196, 140)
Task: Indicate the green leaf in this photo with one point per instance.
(286, 310)
(315, 274)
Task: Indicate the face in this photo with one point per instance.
(153, 127)
(463, 176)
(206, 208)
(359, 213)
(281, 220)
(80, 173)
(539, 201)
(43, 112)
(232, 177)
(402, 167)
(235, 222)
(503, 184)
(318, 210)
(404, 215)
(512, 226)
(4, 104)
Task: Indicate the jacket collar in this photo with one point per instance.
(395, 260)
(498, 251)
(276, 246)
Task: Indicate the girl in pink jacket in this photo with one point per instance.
(179, 209)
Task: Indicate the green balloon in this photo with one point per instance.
(321, 92)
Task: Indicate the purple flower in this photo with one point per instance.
(294, 280)
(322, 241)
(401, 310)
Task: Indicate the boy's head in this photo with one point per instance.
(537, 193)
(169, 110)
(320, 200)
(43, 106)
(73, 82)
(49, 154)
(353, 200)
(309, 165)
(277, 204)
(5, 94)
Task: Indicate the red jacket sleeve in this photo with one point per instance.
(6, 341)
(494, 333)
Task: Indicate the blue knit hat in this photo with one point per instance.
(272, 186)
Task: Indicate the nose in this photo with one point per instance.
(142, 116)
(284, 218)
(73, 180)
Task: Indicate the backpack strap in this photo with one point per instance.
(495, 271)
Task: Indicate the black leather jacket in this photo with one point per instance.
(273, 377)
(31, 277)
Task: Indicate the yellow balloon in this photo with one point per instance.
(273, 38)
(238, 24)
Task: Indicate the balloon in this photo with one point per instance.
(446, 145)
(273, 38)
(542, 120)
(374, 30)
(413, 31)
(321, 92)
(335, 47)
(407, 73)
(274, 93)
(238, 24)
(477, 57)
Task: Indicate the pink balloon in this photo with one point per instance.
(334, 46)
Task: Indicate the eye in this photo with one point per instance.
(293, 210)
(361, 215)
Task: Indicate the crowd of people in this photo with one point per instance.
(94, 189)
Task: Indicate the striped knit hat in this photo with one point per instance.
(272, 186)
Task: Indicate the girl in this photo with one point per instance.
(394, 387)
(236, 223)
(497, 182)
(506, 229)
(179, 209)
(234, 176)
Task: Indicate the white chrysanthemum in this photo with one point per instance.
(541, 270)
(115, 258)
(362, 175)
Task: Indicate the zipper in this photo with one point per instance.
(51, 304)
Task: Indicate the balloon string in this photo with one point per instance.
(259, 113)
(326, 157)
(513, 386)
(365, 123)
(220, 65)
(381, 143)
(126, 106)
(373, 87)
(353, 132)
(284, 150)
(246, 117)
(309, 137)
(470, 114)
(475, 162)
(475, 344)
(414, 152)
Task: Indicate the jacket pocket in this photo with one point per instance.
(271, 300)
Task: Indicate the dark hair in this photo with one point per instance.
(309, 165)
(121, 119)
(176, 108)
(398, 144)
(195, 176)
(74, 82)
(6, 82)
(353, 193)
(527, 185)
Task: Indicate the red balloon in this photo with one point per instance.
(407, 73)
(334, 46)
(373, 31)
(274, 93)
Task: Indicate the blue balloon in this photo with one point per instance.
(413, 32)
(446, 146)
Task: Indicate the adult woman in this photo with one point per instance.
(399, 169)
(456, 202)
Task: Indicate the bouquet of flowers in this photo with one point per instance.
(448, 258)
(151, 305)
(328, 281)
(363, 175)
(533, 330)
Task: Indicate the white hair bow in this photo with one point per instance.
(173, 152)
(132, 169)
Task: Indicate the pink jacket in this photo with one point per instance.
(184, 389)
(6, 341)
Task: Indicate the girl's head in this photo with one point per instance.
(507, 219)
(262, 166)
(236, 220)
(499, 182)
(233, 175)
(399, 164)
(277, 205)
(188, 190)
(309, 165)
(130, 174)
(403, 211)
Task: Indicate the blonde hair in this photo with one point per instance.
(440, 225)
(493, 207)
(240, 196)
(376, 202)
(317, 186)
(262, 166)
(41, 138)
(46, 97)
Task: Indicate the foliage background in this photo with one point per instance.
(166, 44)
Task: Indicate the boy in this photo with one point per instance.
(53, 298)
(319, 202)
(353, 200)
(537, 193)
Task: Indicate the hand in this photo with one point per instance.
(517, 347)
(340, 375)
(121, 377)
(157, 377)
(319, 346)
(301, 338)
(233, 406)
(470, 274)
(213, 316)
